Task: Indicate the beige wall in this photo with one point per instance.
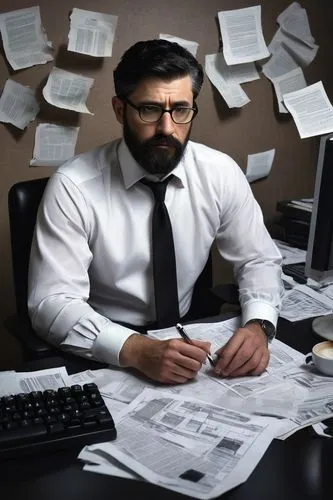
(238, 132)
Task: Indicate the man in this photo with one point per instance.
(91, 286)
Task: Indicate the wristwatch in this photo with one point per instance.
(267, 327)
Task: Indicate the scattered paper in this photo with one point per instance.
(290, 254)
(242, 35)
(289, 82)
(303, 54)
(311, 110)
(303, 302)
(294, 21)
(18, 105)
(317, 405)
(280, 63)
(259, 165)
(237, 73)
(54, 145)
(24, 40)
(92, 33)
(67, 90)
(192, 447)
(17, 382)
(232, 93)
(187, 44)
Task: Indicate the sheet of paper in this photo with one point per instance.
(187, 44)
(318, 404)
(294, 21)
(91, 33)
(18, 104)
(290, 255)
(67, 90)
(280, 63)
(302, 53)
(242, 36)
(311, 110)
(237, 73)
(259, 165)
(24, 39)
(16, 382)
(54, 145)
(303, 302)
(232, 93)
(289, 82)
(194, 448)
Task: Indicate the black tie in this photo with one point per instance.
(164, 260)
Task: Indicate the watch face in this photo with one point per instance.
(268, 328)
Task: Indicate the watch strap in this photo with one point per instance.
(267, 327)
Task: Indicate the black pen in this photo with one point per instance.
(187, 339)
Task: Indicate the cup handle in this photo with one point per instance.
(308, 358)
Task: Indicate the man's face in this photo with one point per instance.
(157, 147)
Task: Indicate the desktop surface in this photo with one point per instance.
(299, 468)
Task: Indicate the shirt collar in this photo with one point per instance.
(132, 172)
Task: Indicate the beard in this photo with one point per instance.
(151, 157)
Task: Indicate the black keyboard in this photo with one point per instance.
(50, 420)
(296, 271)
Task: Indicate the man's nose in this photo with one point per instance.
(166, 125)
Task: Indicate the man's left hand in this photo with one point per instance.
(246, 353)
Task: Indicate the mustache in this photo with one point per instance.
(163, 140)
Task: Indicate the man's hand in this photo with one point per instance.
(168, 361)
(246, 353)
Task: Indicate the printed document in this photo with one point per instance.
(289, 82)
(18, 105)
(290, 254)
(91, 33)
(280, 63)
(311, 110)
(24, 39)
(237, 73)
(231, 91)
(16, 382)
(187, 44)
(54, 145)
(303, 302)
(294, 21)
(242, 35)
(259, 165)
(195, 448)
(67, 90)
(301, 52)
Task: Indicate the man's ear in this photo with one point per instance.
(118, 108)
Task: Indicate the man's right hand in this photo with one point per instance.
(167, 361)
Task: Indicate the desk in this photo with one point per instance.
(299, 468)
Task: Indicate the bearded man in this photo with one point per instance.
(94, 281)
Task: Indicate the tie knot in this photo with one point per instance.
(158, 188)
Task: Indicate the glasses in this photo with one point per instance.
(151, 113)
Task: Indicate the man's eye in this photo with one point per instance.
(181, 111)
(150, 109)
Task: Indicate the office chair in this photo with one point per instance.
(23, 201)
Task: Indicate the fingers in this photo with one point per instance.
(245, 353)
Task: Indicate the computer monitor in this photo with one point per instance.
(319, 255)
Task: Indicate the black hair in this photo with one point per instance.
(156, 58)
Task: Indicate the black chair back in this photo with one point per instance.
(23, 202)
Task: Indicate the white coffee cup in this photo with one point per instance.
(322, 356)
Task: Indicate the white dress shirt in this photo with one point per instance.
(91, 259)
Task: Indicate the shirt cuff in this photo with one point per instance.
(259, 310)
(109, 342)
